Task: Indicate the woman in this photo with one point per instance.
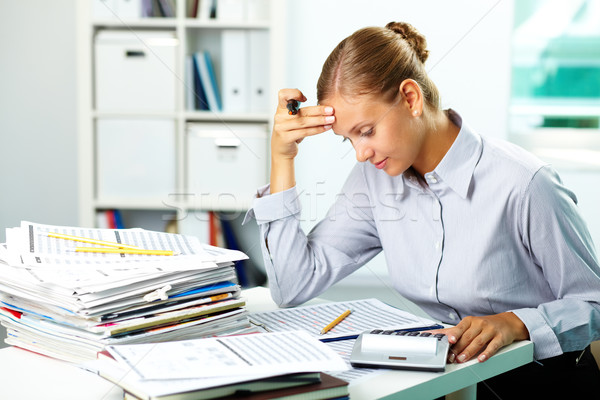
(479, 233)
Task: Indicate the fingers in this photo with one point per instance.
(290, 94)
(289, 130)
(310, 120)
(482, 337)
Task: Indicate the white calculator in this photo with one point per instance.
(422, 351)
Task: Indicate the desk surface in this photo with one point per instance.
(26, 375)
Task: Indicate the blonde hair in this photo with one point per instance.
(376, 61)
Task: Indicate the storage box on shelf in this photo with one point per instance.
(140, 146)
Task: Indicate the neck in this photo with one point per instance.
(439, 134)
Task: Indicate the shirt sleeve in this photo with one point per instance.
(300, 266)
(560, 244)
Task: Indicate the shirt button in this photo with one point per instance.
(431, 178)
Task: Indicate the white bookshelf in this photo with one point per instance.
(189, 32)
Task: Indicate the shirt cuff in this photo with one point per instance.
(545, 342)
(268, 207)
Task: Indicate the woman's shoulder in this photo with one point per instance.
(510, 158)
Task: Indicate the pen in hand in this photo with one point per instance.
(293, 106)
(335, 322)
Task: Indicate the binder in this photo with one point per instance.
(129, 9)
(257, 10)
(258, 52)
(234, 71)
(208, 81)
(200, 102)
(231, 10)
(190, 91)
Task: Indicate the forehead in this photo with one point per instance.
(353, 113)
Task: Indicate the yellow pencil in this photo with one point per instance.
(124, 251)
(335, 321)
(91, 241)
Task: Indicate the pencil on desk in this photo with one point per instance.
(125, 251)
(336, 321)
(92, 241)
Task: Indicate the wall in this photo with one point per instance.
(38, 157)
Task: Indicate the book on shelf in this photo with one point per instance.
(109, 219)
(207, 80)
(229, 10)
(196, 87)
(158, 8)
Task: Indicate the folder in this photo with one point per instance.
(200, 102)
(257, 10)
(129, 9)
(190, 89)
(234, 72)
(231, 10)
(208, 81)
(258, 54)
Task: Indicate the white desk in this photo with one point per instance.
(25, 375)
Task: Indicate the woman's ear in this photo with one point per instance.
(413, 97)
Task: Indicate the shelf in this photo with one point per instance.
(114, 141)
(208, 24)
(134, 204)
(137, 23)
(187, 22)
(206, 203)
(219, 116)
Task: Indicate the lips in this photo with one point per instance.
(381, 164)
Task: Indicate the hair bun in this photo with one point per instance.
(412, 36)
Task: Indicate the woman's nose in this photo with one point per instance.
(363, 152)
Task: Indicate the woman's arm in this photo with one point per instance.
(559, 243)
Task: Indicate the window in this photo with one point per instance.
(555, 93)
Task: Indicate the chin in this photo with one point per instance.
(393, 171)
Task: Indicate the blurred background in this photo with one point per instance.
(525, 71)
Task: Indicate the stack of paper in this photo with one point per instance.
(70, 305)
(215, 367)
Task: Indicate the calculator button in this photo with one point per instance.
(376, 331)
(387, 332)
(413, 334)
(401, 333)
(439, 336)
(425, 334)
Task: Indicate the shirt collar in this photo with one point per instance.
(457, 167)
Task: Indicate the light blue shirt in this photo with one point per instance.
(490, 229)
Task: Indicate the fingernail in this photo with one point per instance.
(461, 358)
(329, 119)
(328, 110)
(452, 339)
(482, 358)
(451, 358)
(327, 127)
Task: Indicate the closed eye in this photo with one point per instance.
(367, 133)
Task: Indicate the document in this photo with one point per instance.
(273, 353)
(30, 246)
(353, 374)
(366, 314)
